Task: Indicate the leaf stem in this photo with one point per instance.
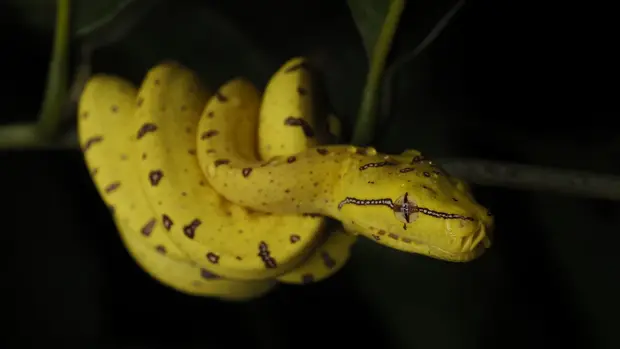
(534, 178)
(19, 136)
(363, 132)
(56, 89)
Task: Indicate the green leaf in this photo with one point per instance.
(369, 16)
(377, 21)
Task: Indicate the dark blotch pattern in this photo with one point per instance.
(161, 249)
(407, 169)
(146, 128)
(305, 126)
(377, 164)
(167, 222)
(265, 255)
(322, 151)
(190, 229)
(205, 274)
(291, 159)
(312, 215)
(246, 171)
(307, 278)
(294, 238)
(155, 176)
(209, 134)
(328, 261)
(417, 159)
(213, 258)
(302, 91)
(220, 97)
(221, 162)
(112, 187)
(147, 229)
(92, 141)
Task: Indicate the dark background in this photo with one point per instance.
(512, 81)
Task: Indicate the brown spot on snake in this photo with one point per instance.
(294, 238)
(208, 134)
(92, 141)
(146, 128)
(190, 229)
(418, 159)
(328, 261)
(307, 278)
(167, 222)
(406, 169)
(205, 274)
(112, 187)
(147, 229)
(291, 159)
(265, 255)
(305, 126)
(377, 164)
(213, 258)
(221, 162)
(161, 249)
(246, 171)
(322, 151)
(220, 97)
(155, 176)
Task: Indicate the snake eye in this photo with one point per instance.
(405, 209)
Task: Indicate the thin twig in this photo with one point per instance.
(534, 178)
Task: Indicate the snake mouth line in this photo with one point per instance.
(471, 247)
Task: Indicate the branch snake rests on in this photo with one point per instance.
(209, 206)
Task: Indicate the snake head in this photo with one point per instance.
(414, 207)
